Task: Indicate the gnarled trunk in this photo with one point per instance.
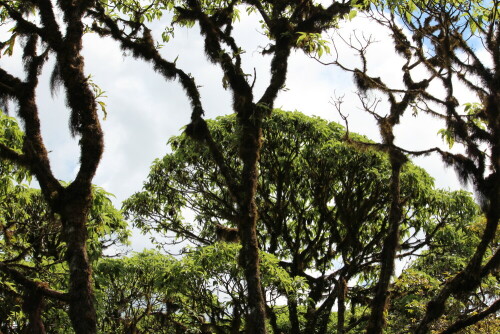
(33, 307)
(376, 321)
(74, 218)
(250, 145)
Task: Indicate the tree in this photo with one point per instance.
(399, 100)
(324, 204)
(43, 35)
(32, 245)
(441, 37)
(132, 297)
(32, 253)
(284, 23)
(352, 228)
(126, 22)
(200, 293)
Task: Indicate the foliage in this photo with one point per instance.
(154, 293)
(49, 31)
(31, 239)
(291, 185)
(323, 204)
(11, 136)
(31, 242)
(283, 23)
(449, 254)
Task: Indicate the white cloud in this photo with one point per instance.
(144, 110)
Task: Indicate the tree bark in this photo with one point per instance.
(293, 316)
(376, 321)
(73, 202)
(33, 307)
(317, 321)
(341, 305)
(250, 145)
(81, 302)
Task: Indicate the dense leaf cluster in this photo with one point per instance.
(323, 209)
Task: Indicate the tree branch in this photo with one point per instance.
(461, 324)
(23, 26)
(43, 288)
(13, 156)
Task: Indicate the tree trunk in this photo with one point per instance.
(81, 304)
(273, 320)
(33, 307)
(293, 316)
(341, 307)
(250, 145)
(376, 321)
(317, 320)
(236, 322)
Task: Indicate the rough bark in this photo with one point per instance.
(81, 302)
(33, 308)
(376, 321)
(250, 144)
(71, 203)
(341, 305)
(293, 316)
(74, 201)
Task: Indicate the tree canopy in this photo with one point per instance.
(288, 223)
(326, 226)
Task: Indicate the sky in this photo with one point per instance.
(144, 110)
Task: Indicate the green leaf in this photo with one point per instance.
(352, 14)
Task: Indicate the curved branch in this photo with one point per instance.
(9, 84)
(43, 288)
(13, 156)
(49, 22)
(23, 26)
(461, 324)
(145, 49)
(213, 35)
